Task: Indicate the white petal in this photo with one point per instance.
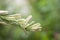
(21, 21)
(28, 18)
(30, 23)
(17, 16)
(36, 27)
(37, 24)
(10, 18)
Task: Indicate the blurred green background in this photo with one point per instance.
(46, 12)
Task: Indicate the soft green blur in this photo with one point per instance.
(46, 12)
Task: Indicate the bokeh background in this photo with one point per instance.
(46, 12)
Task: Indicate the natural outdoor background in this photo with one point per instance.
(46, 12)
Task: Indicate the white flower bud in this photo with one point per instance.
(28, 19)
(35, 26)
(10, 18)
(17, 16)
(21, 22)
(3, 12)
(30, 23)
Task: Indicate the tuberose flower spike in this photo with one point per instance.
(32, 26)
(25, 23)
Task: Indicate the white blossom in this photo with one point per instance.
(13, 17)
(36, 26)
(17, 16)
(28, 19)
(32, 25)
(25, 23)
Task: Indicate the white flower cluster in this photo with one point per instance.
(25, 23)
(32, 26)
